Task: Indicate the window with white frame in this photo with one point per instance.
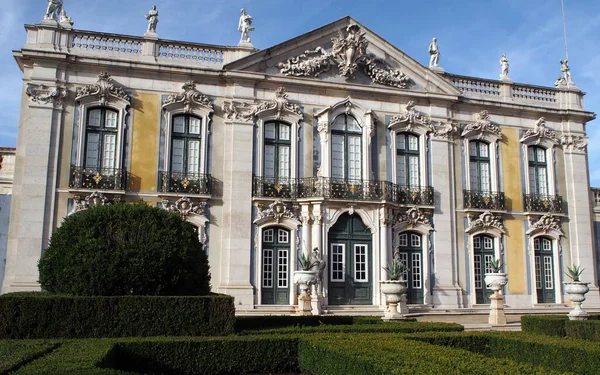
(186, 147)
(479, 166)
(538, 170)
(407, 160)
(101, 140)
(346, 148)
(277, 150)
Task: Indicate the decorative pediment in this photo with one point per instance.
(414, 121)
(277, 211)
(486, 222)
(43, 94)
(574, 143)
(278, 108)
(413, 219)
(92, 200)
(104, 91)
(348, 53)
(547, 224)
(190, 99)
(185, 207)
(482, 128)
(540, 134)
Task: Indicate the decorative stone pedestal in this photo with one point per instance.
(577, 291)
(403, 305)
(315, 302)
(497, 316)
(304, 304)
(394, 290)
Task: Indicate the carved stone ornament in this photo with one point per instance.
(485, 221)
(92, 200)
(190, 98)
(43, 94)
(412, 218)
(411, 118)
(248, 112)
(347, 52)
(185, 207)
(539, 133)
(277, 211)
(574, 142)
(105, 90)
(482, 125)
(545, 224)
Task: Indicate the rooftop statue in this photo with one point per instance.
(152, 18)
(504, 66)
(565, 78)
(245, 26)
(434, 52)
(54, 10)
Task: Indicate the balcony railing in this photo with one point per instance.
(543, 203)
(320, 187)
(98, 178)
(192, 183)
(484, 200)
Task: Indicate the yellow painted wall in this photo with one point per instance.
(511, 169)
(144, 153)
(515, 256)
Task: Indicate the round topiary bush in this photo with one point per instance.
(125, 249)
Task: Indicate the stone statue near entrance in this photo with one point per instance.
(244, 27)
(152, 18)
(320, 265)
(54, 10)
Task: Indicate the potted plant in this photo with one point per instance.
(495, 279)
(304, 278)
(394, 288)
(576, 291)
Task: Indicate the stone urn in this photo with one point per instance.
(304, 279)
(393, 290)
(495, 281)
(576, 291)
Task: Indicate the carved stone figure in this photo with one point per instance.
(320, 265)
(54, 10)
(278, 210)
(577, 143)
(245, 26)
(482, 125)
(64, 19)
(485, 221)
(152, 18)
(504, 66)
(434, 52)
(247, 112)
(565, 78)
(540, 132)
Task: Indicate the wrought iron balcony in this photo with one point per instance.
(543, 203)
(188, 183)
(332, 188)
(484, 200)
(98, 178)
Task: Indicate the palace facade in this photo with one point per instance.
(334, 143)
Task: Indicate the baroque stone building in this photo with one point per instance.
(334, 141)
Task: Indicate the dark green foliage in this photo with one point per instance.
(125, 249)
(15, 354)
(551, 325)
(270, 322)
(43, 315)
(583, 329)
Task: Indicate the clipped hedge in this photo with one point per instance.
(43, 315)
(15, 354)
(538, 350)
(269, 322)
(551, 325)
(583, 329)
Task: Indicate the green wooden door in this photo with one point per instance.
(544, 270)
(411, 254)
(350, 279)
(275, 266)
(483, 254)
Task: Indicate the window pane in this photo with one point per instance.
(282, 268)
(108, 159)
(268, 268)
(270, 131)
(474, 174)
(193, 157)
(541, 155)
(339, 124)
(111, 119)
(284, 162)
(284, 132)
(484, 150)
(283, 236)
(354, 158)
(401, 171)
(533, 187)
(360, 263)
(413, 165)
(401, 142)
(269, 161)
(337, 156)
(416, 270)
(268, 235)
(195, 125)
(488, 243)
(413, 143)
(404, 240)
(485, 176)
(91, 152)
(473, 148)
(177, 156)
(337, 262)
(94, 119)
(179, 124)
(353, 125)
(415, 240)
(530, 154)
(477, 243)
(542, 181)
(547, 245)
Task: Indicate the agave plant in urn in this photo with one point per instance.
(394, 288)
(576, 291)
(494, 278)
(305, 277)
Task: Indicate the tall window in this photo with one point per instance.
(346, 148)
(407, 161)
(277, 150)
(185, 145)
(479, 166)
(538, 170)
(101, 139)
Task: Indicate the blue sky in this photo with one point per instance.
(472, 34)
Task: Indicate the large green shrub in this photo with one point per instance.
(551, 325)
(125, 249)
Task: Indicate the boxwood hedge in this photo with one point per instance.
(561, 326)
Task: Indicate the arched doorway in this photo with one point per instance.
(350, 260)
(544, 270)
(275, 266)
(410, 251)
(483, 253)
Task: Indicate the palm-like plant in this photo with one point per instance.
(396, 269)
(496, 265)
(574, 272)
(306, 263)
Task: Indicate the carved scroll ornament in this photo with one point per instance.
(105, 90)
(249, 111)
(539, 133)
(190, 98)
(482, 126)
(43, 94)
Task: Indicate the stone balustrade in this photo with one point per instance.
(105, 44)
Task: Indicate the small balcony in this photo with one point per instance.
(97, 178)
(484, 200)
(266, 187)
(543, 203)
(185, 183)
(409, 195)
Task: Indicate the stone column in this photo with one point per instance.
(446, 292)
(385, 243)
(237, 213)
(34, 188)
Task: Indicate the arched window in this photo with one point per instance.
(101, 140)
(407, 160)
(277, 150)
(346, 148)
(479, 166)
(538, 170)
